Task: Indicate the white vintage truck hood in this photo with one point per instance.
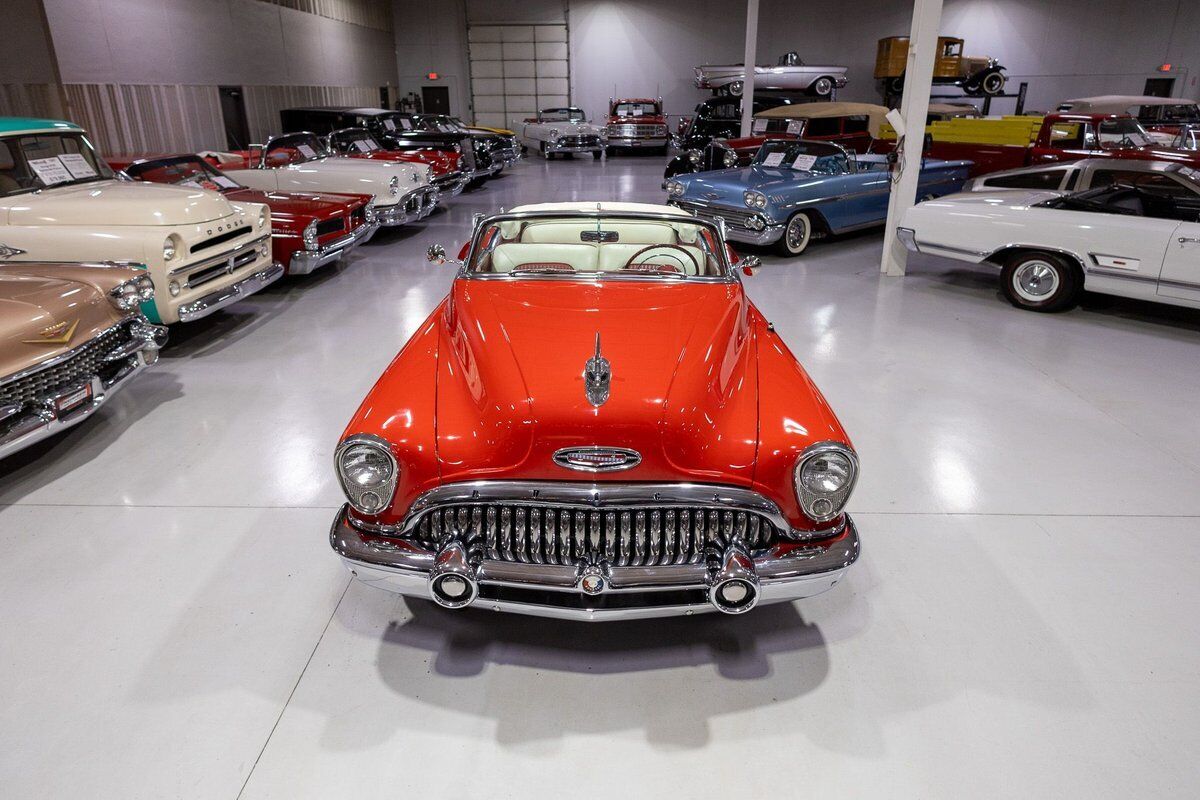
(110, 202)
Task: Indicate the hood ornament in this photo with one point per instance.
(597, 375)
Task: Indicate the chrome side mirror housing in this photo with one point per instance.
(436, 254)
(749, 264)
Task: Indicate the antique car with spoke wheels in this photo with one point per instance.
(59, 201)
(308, 229)
(796, 191)
(1136, 238)
(72, 336)
(301, 162)
(596, 424)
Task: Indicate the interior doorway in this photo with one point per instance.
(435, 99)
(1159, 87)
(233, 114)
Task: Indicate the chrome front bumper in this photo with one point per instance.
(555, 147)
(452, 185)
(305, 261)
(26, 424)
(596, 592)
(412, 207)
(736, 229)
(639, 141)
(507, 156)
(229, 295)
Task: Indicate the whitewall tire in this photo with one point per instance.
(796, 235)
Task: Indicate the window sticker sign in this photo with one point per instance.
(795, 126)
(191, 183)
(760, 126)
(404, 123)
(362, 146)
(50, 170)
(225, 183)
(77, 165)
(306, 151)
(804, 162)
(773, 160)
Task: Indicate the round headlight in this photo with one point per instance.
(174, 288)
(694, 156)
(729, 159)
(748, 198)
(367, 471)
(760, 201)
(824, 478)
(674, 188)
(369, 210)
(262, 218)
(169, 248)
(365, 466)
(145, 287)
(310, 236)
(394, 186)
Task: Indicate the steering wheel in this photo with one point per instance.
(682, 263)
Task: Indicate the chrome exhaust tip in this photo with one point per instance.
(733, 588)
(452, 582)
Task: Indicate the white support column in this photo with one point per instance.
(750, 59)
(914, 106)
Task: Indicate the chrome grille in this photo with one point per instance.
(78, 367)
(733, 217)
(579, 141)
(225, 266)
(637, 130)
(542, 534)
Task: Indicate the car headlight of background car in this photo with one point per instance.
(754, 199)
(369, 210)
(824, 477)
(128, 295)
(729, 159)
(694, 156)
(674, 188)
(310, 236)
(394, 186)
(367, 471)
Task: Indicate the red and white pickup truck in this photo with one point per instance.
(1063, 137)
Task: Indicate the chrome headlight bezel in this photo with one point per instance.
(729, 158)
(128, 295)
(263, 216)
(394, 186)
(819, 504)
(695, 156)
(310, 235)
(674, 188)
(170, 248)
(754, 199)
(369, 210)
(373, 497)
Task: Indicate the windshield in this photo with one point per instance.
(635, 110)
(294, 148)
(358, 140)
(815, 157)
(183, 171)
(600, 245)
(561, 115)
(1185, 112)
(1119, 133)
(440, 124)
(41, 160)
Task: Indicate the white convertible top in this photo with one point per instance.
(1119, 103)
(649, 208)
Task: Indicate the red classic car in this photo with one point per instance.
(308, 229)
(446, 170)
(595, 424)
(637, 124)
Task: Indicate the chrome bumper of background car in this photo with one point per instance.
(507, 156)
(26, 423)
(638, 141)
(416, 205)
(555, 147)
(247, 286)
(740, 225)
(305, 261)
(908, 238)
(781, 573)
(452, 185)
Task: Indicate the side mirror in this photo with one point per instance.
(749, 264)
(436, 254)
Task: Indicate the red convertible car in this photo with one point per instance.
(446, 170)
(596, 424)
(308, 229)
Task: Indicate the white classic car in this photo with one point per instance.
(1090, 173)
(560, 130)
(789, 75)
(59, 201)
(301, 162)
(1139, 240)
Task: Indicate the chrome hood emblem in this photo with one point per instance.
(597, 375)
(597, 459)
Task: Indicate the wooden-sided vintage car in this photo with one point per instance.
(596, 424)
(308, 229)
(70, 336)
(59, 201)
(975, 75)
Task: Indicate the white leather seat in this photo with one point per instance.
(507, 257)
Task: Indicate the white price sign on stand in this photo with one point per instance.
(50, 170)
(773, 160)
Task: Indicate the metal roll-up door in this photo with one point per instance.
(516, 70)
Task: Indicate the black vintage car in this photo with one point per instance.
(503, 150)
(720, 117)
(395, 130)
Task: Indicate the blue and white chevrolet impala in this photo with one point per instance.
(796, 190)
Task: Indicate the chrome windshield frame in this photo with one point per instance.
(483, 223)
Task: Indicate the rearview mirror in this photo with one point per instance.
(749, 264)
(436, 254)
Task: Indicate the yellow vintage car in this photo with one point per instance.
(975, 75)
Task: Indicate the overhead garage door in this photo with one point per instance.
(516, 70)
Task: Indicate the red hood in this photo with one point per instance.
(439, 163)
(510, 387)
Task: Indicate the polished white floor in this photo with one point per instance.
(1024, 622)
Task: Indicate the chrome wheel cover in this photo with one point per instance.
(1035, 281)
(823, 86)
(797, 232)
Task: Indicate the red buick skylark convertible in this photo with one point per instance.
(584, 428)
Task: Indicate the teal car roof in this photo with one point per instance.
(19, 124)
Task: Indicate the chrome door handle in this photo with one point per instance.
(1186, 239)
